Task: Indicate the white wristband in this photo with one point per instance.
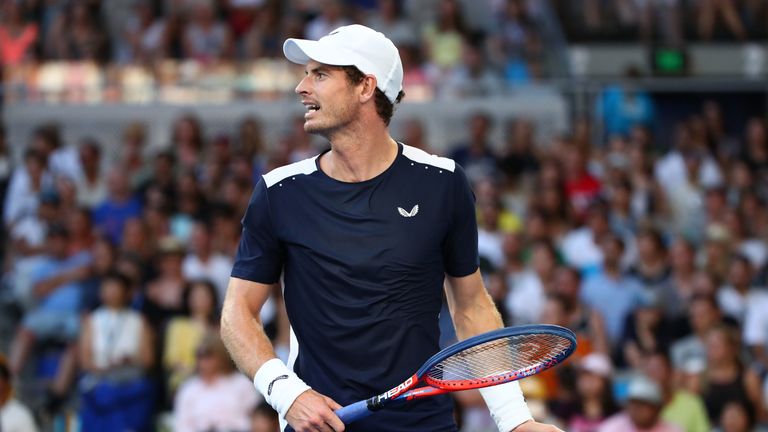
(507, 405)
(279, 385)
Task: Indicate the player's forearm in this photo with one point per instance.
(244, 337)
(476, 316)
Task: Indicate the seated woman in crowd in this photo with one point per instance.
(726, 378)
(593, 401)
(185, 332)
(218, 397)
(116, 351)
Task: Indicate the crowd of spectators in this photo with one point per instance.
(665, 22)
(474, 51)
(115, 265)
(657, 258)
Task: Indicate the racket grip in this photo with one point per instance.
(353, 412)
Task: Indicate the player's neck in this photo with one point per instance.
(357, 157)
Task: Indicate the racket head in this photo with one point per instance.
(499, 356)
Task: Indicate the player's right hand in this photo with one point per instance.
(312, 412)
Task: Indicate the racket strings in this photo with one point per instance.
(498, 358)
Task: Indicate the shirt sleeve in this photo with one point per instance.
(259, 255)
(756, 323)
(460, 247)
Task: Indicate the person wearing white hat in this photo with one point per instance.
(643, 410)
(363, 237)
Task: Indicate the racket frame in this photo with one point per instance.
(406, 390)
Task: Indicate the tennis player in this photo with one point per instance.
(364, 236)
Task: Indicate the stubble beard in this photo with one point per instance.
(336, 119)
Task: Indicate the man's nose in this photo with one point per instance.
(302, 87)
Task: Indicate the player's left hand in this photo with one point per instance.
(532, 426)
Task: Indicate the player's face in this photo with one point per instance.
(329, 98)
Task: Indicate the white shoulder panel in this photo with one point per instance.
(306, 166)
(420, 156)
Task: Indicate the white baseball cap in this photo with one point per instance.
(353, 45)
(598, 364)
(642, 388)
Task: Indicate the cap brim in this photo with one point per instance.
(301, 51)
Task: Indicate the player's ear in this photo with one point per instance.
(368, 88)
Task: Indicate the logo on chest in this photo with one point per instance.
(408, 214)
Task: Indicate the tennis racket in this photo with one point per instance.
(485, 360)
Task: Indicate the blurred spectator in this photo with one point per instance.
(585, 321)
(739, 293)
(417, 77)
(226, 224)
(184, 333)
(414, 135)
(165, 293)
(652, 269)
(518, 159)
(143, 35)
(727, 378)
(756, 330)
(5, 166)
(14, 416)
(265, 28)
(689, 141)
(581, 187)
(80, 226)
(513, 250)
(332, 16)
(18, 35)
(55, 299)
(104, 260)
(610, 291)
(753, 248)
(444, 37)
(217, 397)
(582, 247)
(25, 186)
(736, 417)
(206, 38)
(28, 233)
(709, 11)
(756, 150)
(517, 47)
(174, 37)
(250, 141)
(681, 408)
(77, 35)
(645, 330)
(188, 142)
(682, 262)
(159, 188)
(388, 18)
(121, 205)
(648, 199)
(622, 107)
(719, 142)
(593, 401)
(189, 206)
(528, 292)
(92, 186)
(642, 412)
(116, 351)
(132, 158)
(703, 316)
(472, 78)
(202, 262)
(264, 419)
(477, 155)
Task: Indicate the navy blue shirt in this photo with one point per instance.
(363, 267)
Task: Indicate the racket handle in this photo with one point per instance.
(354, 412)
